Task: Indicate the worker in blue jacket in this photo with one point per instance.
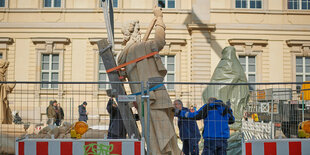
(189, 132)
(216, 117)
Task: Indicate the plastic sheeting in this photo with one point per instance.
(229, 70)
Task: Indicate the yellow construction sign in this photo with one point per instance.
(305, 93)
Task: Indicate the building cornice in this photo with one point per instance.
(201, 27)
(94, 40)
(298, 42)
(261, 11)
(36, 40)
(89, 10)
(119, 40)
(178, 41)
(80, 25)
(299, 47)
(249, 42)
(263, 27)
(6, 40)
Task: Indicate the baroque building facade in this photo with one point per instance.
(55, 40)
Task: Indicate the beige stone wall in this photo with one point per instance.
(197, 31)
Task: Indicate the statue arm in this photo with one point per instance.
(159, 41)
(160, 35)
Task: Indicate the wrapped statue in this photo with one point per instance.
(6, 113)
(162, 134)
(229, 70)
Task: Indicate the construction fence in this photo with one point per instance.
(272, 111)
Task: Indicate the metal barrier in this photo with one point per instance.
(79, 147)
(278, 106)
(29, 102)
(276, 147)
(257, 130)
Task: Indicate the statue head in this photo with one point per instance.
(131, 32)
(229, 53)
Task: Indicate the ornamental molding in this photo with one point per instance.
(300, 47)
(169, 41)
(248, 42)
(49, 40)
(248, 46)
(49, 43)
(201, 27)
(6, 40)
(304, 43)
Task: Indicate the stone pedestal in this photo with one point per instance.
(12, 129)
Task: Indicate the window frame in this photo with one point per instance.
(49, 45)
(248, 6)
(118, 4)
(50, 70)
(166, 6)
(52, 4)
(251, 47)
(169, 72)
(299, 6)
(6, 4)
(247, 64)
(304, 73)
(297, 48)
(106, 86)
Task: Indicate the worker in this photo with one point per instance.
(216, 117)
(189, 131)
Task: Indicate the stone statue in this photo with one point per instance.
(162, 134)
(5, 89)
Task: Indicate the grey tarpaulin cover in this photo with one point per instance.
(229, 70)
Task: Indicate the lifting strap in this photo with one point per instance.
(132, 61)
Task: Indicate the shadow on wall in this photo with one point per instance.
(208, 36)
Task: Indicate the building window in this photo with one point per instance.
(103, 76)
(302, 69)
(248, 64)
(114, 3)
(249, 4)
(299, 4)
(52, 3)
(49, 70)
(166, 3)
(2, 3)
(169, 62)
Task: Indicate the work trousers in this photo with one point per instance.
(215, 147)
(190, 146)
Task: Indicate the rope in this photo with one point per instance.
(132, 61)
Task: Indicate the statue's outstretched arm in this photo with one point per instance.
(159, 41)
(160, 35)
